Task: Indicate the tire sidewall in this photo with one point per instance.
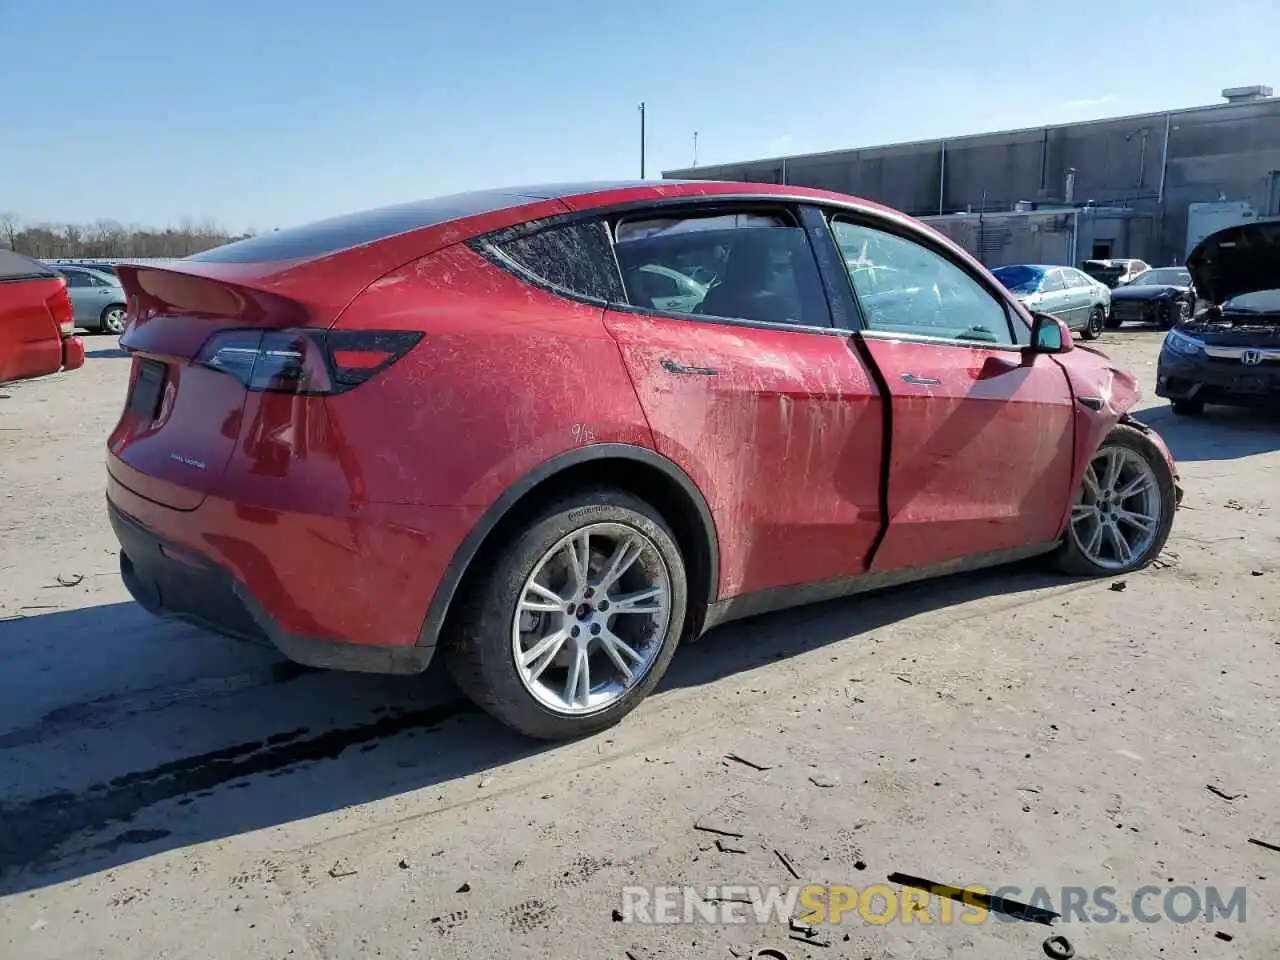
(493, 679)
(102, 320)
(1097, 322)
(1074, 559)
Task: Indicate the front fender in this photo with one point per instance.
(1103, 394)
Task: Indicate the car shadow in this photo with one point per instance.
(122, 736)
(1220, 433)
(105, 353)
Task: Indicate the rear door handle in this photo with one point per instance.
(672, 367)
(920, 381)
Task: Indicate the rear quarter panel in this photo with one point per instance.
(507, 377)
(30, 341)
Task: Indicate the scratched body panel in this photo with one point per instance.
(782, 431)
(979, 461)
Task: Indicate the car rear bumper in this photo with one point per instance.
(72, 353)
(343, 594)
(1142, 311)
(1216, 381)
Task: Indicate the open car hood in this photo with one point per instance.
(1235, 261)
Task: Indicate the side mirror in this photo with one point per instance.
(1050, 335)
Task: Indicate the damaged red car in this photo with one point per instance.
(549, 433)
(37, 321)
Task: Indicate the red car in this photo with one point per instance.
(36, 321)
(553, 431)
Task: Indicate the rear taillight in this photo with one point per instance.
(64, 314)
(304, 361)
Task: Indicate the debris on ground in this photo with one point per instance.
(465, 888)
(1264, 844)
(971, 897)
(1217, 792)
(1059, 947)
(1255, 573)
(824, 779)
(753, 764)
(337, 871)
(1234, 505)
(403, 864)
(616, 916)
(1119, 585)
(1224, 937)
(725, 819)
(1166, 560)
(72, 580)
(786, 862)
(726, 848)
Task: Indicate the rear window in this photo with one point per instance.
(574, 257)
(1019, 279)
(353, 230)
(14, 266)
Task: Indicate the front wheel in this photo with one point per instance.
(1093, 329)
(576, 621)
(1124, 509)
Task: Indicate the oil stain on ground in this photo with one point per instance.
(32, 830)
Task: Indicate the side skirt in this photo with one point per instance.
(802, 594)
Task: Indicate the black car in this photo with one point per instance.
(1163, 296)
(1230, 352)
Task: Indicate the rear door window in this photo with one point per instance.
(77, 278)
(752, 266)
(1052, 282)
(572, 258)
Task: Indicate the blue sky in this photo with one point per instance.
(266, 113)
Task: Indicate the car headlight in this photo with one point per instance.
(1183, 345)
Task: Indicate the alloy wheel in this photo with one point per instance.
(1116, 516)
(591, 618)
(113, 320)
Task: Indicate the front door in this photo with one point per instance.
(753, 394)
(1055, 298)
(981, 450)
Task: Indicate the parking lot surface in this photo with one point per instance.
(169, 793)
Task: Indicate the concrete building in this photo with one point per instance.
(1137, 186)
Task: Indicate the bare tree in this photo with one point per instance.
(10, 226)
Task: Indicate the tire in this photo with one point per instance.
(1132, 447)
(1111, 322)
(112, 319)
(1177, 312)
(1093, 328)
(1188, 408)
(480, 651)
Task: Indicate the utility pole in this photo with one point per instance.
(695, 148)
(641, 139)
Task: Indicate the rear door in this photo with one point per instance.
(83, 297)
(1056, 299)
(751, 390)
(980, 455)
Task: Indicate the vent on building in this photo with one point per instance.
(1245, 94)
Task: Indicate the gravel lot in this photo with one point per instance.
(167, 793)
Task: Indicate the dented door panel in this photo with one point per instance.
(981, 452)
(780, 429)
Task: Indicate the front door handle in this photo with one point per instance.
(921, 381)
(672, 367)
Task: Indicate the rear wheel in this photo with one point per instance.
(577, 620)
(112, 319)
(1093, 329)
(1188, 408)
(1124, 509)
(1175, 313)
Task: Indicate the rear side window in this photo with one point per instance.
(740, 266)
(1052, 282)
(77, 278)
(574, 258)
(14, 266)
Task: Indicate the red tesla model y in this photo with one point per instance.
(550, 432)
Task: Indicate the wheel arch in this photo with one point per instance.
(642, 472)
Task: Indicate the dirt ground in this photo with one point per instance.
(167, 793)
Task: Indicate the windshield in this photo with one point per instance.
(1019, 279)
(1259, 301)
(1166, 276)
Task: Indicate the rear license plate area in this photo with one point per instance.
(148, 387)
